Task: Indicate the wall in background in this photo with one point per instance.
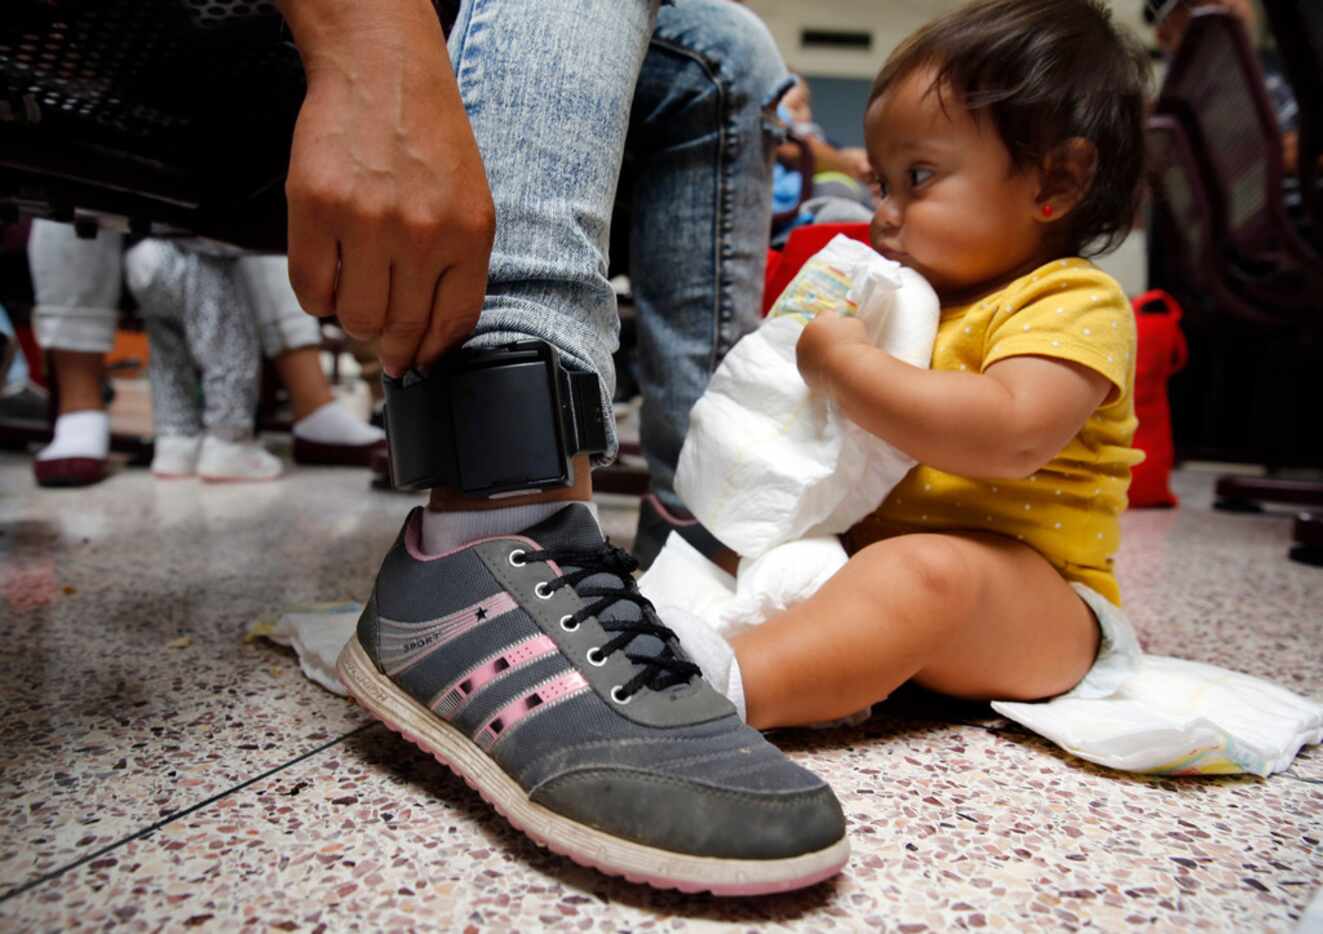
(838, 105)
(885, 22)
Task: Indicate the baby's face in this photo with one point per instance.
(952, 206)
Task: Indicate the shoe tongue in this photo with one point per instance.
(574, 527)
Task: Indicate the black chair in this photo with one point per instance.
(1215, 87)
(142, 114)
(1297, 27)
(1217, 157)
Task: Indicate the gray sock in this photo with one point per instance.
(445, 531)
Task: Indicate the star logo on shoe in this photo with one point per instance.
(481, 614)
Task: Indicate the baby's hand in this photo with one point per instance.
(823, 335)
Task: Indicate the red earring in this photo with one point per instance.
(1047, 210)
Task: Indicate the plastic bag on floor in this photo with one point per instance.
(316, 632)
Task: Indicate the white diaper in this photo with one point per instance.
(1150, 713)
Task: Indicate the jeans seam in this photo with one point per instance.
(724, 229)
(462, 61)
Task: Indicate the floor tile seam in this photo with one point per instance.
(178, 815)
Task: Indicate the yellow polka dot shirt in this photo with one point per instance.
(1068, 510)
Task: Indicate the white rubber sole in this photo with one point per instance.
(586, 846)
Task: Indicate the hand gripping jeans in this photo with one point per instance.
(558, 91)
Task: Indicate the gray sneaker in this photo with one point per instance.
(533, 667)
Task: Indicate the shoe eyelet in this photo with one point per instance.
(515, 555)
(569, 623)
(618, 696)
(542, 591)
(595, 657)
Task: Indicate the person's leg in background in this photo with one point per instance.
(325, 432)
(76, 283)
(506, 636)
(701, 145)
(176, 394)
(223, 342)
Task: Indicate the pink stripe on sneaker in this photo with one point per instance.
(454, 696)
(404, 645)
(548, 693)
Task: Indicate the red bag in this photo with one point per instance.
(1162, 352)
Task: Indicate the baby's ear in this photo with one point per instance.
(1065, 177)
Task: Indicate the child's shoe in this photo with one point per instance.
(224, 461)
(176, 456)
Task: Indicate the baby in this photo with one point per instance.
(1006, 141)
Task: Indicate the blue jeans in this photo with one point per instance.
(557, 91)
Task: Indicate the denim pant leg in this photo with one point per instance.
(701, 146)
(547, 86)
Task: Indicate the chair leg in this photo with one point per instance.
(1308, 534)
(1245, 494)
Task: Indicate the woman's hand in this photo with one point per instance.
(390, 217)
(823, 339)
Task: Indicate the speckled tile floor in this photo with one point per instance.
(157, 772)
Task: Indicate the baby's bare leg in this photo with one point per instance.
(967, 614)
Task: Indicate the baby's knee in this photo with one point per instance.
(933, 569)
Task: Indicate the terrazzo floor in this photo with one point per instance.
(159, 773)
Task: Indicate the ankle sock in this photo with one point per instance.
(79, 434)
(332, 423)
(710, 651)
(445, 531)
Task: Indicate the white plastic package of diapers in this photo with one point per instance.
(765, 463)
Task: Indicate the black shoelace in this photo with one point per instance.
(657, 672)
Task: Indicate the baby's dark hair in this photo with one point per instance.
(1043, 72)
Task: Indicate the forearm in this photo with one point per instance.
(962, 423)
(827, 158)
(335, 34)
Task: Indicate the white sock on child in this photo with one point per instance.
(79, 434)
(332, 423)
(445, 531)
(710, 651)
